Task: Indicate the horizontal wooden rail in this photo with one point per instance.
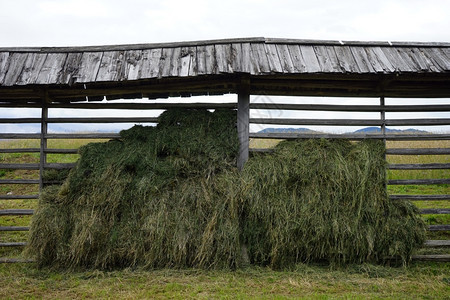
(129, 105)
(104, 120)
(420, 197)
(61, 151)
(432, 257)
(271, 135)
(438, 227)
(16, 212)
(351, 136)
(150, 105)
(36, 166)
(435, 211)
(276, 121)
(20, 166)
(337, 122)
(437, 243)
(19, 181)
(391, 151)
(14, 228)
(20, 136)
(13, 244)
(418, 181)
(418, 166)
(20, 150)
(6, 260)
(59, 166)
(99, 135)
(353, 108)
(349, 122)
(233, 105)
(418, 151)
(18, 197)
(411, 122)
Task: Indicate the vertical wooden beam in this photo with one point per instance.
(383, 132)
(383, 116)
(43, 147)
(243, 120)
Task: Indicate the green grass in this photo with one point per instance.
(418, 281)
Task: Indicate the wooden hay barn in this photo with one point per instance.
(79, 77)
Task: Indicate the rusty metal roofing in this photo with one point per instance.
(257, 57)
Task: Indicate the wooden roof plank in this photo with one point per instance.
(414, 66)
(377, 66)
(310, 58)
(184, 61)
(133, 60)
(210, 60)
(378, 55)
(193, 61)
(144, 64)
(247, 61)
(273, 58)
(263, 62)
(346, 59)
(108, 65)
(51, 68)
(90, 63)
(15, 67)
(236, 52)
(323, 59)
(396, 60)
(439, 57)
(297, 59)
(362, 60)
(415, 55)
(33, 64)
(254, 59)
(150, 63)
(4, 62)
(222, 52)
(70, 69)
(174, 62)
(285, 58)
(164, 63)
(334, 61)
(201, 60)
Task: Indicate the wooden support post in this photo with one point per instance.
(383, 121)
(243, 119)
(383, 116)
(43, 147)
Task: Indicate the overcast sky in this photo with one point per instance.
(104, 22)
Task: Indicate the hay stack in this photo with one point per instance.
(171, 196)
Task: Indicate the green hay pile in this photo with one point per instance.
(326, 200)
(171, 196)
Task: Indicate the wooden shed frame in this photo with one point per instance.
(78, 77)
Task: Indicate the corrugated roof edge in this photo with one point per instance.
(221, 41)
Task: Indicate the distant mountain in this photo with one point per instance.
(287, 130)
(367, 130)
(378, 130)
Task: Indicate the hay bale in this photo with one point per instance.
(171, 196)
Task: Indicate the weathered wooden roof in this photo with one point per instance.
(269, 66)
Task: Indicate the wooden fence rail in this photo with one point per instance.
(244, 134)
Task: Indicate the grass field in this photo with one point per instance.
(418, 280)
